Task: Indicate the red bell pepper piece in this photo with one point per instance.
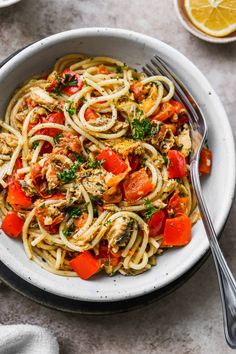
(56, 117)
(157, 223)
(90, 114)
(17, 197)
(177, 231)
(137, 185)
(112, 162)
(177, 205)
(71, 90)
(85, 265)
(177, 164)
(12, 224)
(205, 161)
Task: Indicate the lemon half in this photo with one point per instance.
(214, 17)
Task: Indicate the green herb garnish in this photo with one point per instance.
(75, 212)
(69, 230)
(68, 175)
(107, 223)
(71, 110)
(62, 83)
(119, 69)
(150, 209)
(142, 129)
(57, 138)
(96, 164)
(35, 144)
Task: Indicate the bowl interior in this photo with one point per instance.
(134, 49)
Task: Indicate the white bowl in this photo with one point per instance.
(135, 49)
(5, 3)
(185, 21)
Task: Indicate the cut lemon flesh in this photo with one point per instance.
(214, 17)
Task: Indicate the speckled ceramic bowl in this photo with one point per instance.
(135, 49)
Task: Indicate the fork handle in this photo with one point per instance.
(226, 279)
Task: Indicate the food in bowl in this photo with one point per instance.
(94, 168)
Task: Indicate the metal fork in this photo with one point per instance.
(198, 126)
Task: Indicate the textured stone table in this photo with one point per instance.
(190, 319)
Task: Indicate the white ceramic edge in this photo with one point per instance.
(8, 3)
(197, 33)
(126, 34)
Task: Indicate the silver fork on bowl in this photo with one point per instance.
(198, 126)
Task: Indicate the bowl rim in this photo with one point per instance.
(197, 32)
(6, 3)
(126, 34)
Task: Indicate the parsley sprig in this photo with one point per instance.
(96, 164)
(68, 175)
(62, 83)
(69, 230)
(142, 129)
(150, 209)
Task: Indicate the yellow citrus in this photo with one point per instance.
(214, 17)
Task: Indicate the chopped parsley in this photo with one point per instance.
(35, 144)
(57, 138)
(62, 83)
(68, 175)
(166, 160)
(69, 230)
(107, 223)
(142, 129)
(96, 163)
(80, 159)
(150, 209)
(75, 212)
(71, 110)
(119, 69)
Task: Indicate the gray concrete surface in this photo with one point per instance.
(190, 319)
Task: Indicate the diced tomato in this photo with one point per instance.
(12, 224)
(90, 114)
(102, 69)
(157, 223)
(79, 222)
(177, 205)
(177, 164)
(105, 255)
(165, 111)
(71, 90)
(177, 231)
(56, 117)
(137, 185)
(134, 162)
(112, 162)
(139, 91)
(17, 166)
(17, 197)
(85, 265)
(205, 161)
(46, 148)
(177, 106)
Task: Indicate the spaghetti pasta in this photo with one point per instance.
(85, 162)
